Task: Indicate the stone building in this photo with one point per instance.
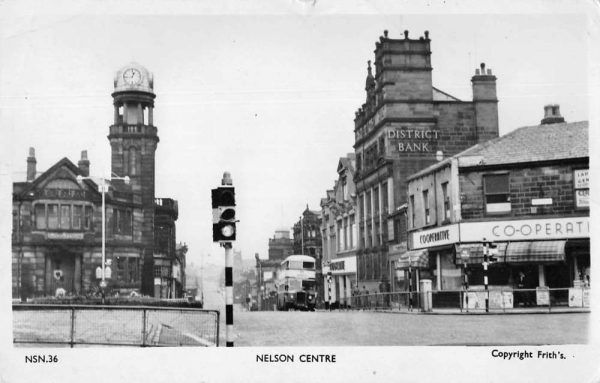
(527, 192)
(57, 218)
(404, 125)
(307, 241)
(281, 245)
(339, 231)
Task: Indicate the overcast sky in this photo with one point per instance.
(269, 98)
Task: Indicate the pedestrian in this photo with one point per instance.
(248, 300)
(365, 298)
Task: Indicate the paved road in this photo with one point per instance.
(357, 328)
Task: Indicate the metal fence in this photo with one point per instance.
(142, 326)
(499, 300)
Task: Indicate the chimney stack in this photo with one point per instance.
(31, 162)
(84, 164)
(552, 114)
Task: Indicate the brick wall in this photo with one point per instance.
(526, 183)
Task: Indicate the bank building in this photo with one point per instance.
(405, 125)
(57, 214)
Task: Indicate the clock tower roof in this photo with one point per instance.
(134, 77)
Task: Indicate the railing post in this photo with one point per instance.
(143, 327)
(72, 326)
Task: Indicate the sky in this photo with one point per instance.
(269, 98)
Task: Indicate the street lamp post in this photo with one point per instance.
(464, 255)
(103, 188)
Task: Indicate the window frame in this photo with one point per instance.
(486, 194)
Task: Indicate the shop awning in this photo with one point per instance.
(417, 258)
(536, 251)
(475, 251)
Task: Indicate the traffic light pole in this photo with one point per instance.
(228, 293)
(485, 275)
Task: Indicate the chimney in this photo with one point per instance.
(552, 114)
(84, 164)
(485, 102)
(31, 162)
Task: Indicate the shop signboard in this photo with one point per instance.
(438, 236)
(586, 297)
(576, 297)
(497, 299)
(542, 296)
(526, 229)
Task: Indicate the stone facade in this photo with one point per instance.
(405, 125)
(57, 214)
(339, 231)
(527, 192)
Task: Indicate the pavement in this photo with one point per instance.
(453, 311)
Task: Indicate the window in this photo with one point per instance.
(122, 221)
(497, 194)
(384, 199)
(133, 170)
(368, 204)
(412, 210)
(446, 199)
(65, 216)
(426, 206)
(77, 216)
(40, 216)
(581, 179)
(344, 189)
(340, 236)
(53, 216)
(376, 201)
(87, 218)
(352, 240)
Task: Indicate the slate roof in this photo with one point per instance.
(544, 142)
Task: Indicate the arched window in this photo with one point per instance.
(133, 162)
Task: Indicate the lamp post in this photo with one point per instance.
(464, 256)
(103, 188)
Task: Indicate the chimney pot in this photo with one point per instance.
(426, 35)
(385, 33)
(552, 114)
(84, 164)
(482, 65)
(406, 34)
(31, 165)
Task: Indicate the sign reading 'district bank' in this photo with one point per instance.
(406, 140)
(550, 228)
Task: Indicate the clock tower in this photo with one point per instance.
(133, 139)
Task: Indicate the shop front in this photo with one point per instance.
(340, 281)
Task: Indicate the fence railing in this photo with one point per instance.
(142, 326)
(472, 300)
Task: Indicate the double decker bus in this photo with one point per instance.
(296, 283)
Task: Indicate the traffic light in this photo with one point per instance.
(492, 252)
(223, 205)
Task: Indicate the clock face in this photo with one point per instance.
(132, 76)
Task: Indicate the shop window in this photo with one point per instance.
(40, 216)
(497, 193)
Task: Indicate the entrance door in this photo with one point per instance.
(62, 273)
